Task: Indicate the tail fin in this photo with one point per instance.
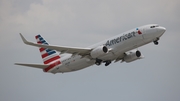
(49, 56)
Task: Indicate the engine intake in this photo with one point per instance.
(132, 56)
(99, 51)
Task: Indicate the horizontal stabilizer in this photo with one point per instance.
(33, 65)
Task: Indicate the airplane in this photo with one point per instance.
(122, 47)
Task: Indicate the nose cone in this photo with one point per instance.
(161, 30)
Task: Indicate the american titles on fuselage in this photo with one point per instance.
(121, 38)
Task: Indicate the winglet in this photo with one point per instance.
(24, 40)
(27, 42)
(31, 43)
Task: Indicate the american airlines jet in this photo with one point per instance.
(122, 47)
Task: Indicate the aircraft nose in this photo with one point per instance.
(161, 30)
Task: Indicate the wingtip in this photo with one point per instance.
(22, 37)
(16, 63)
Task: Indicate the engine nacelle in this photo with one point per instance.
(132, 56)
(99, 51)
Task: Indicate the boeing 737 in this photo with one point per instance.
(122, 47)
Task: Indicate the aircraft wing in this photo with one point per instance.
(33, 65)
(62, 49)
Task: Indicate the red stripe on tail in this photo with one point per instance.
(41, 49)
(52, 59)
(36, 37)
(44, 55)
(39, 42)
(52, 66)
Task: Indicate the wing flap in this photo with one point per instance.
(71, 50)
(40, 66)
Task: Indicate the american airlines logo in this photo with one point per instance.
(121, 38)
(138, 31)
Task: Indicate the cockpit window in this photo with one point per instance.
(154, 26)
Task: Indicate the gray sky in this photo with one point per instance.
(82, 23)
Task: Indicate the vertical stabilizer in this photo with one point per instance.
(49, 56)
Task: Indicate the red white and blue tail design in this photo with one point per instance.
(50, 57)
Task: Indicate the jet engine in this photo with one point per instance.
(99, 51)
(132, 56)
